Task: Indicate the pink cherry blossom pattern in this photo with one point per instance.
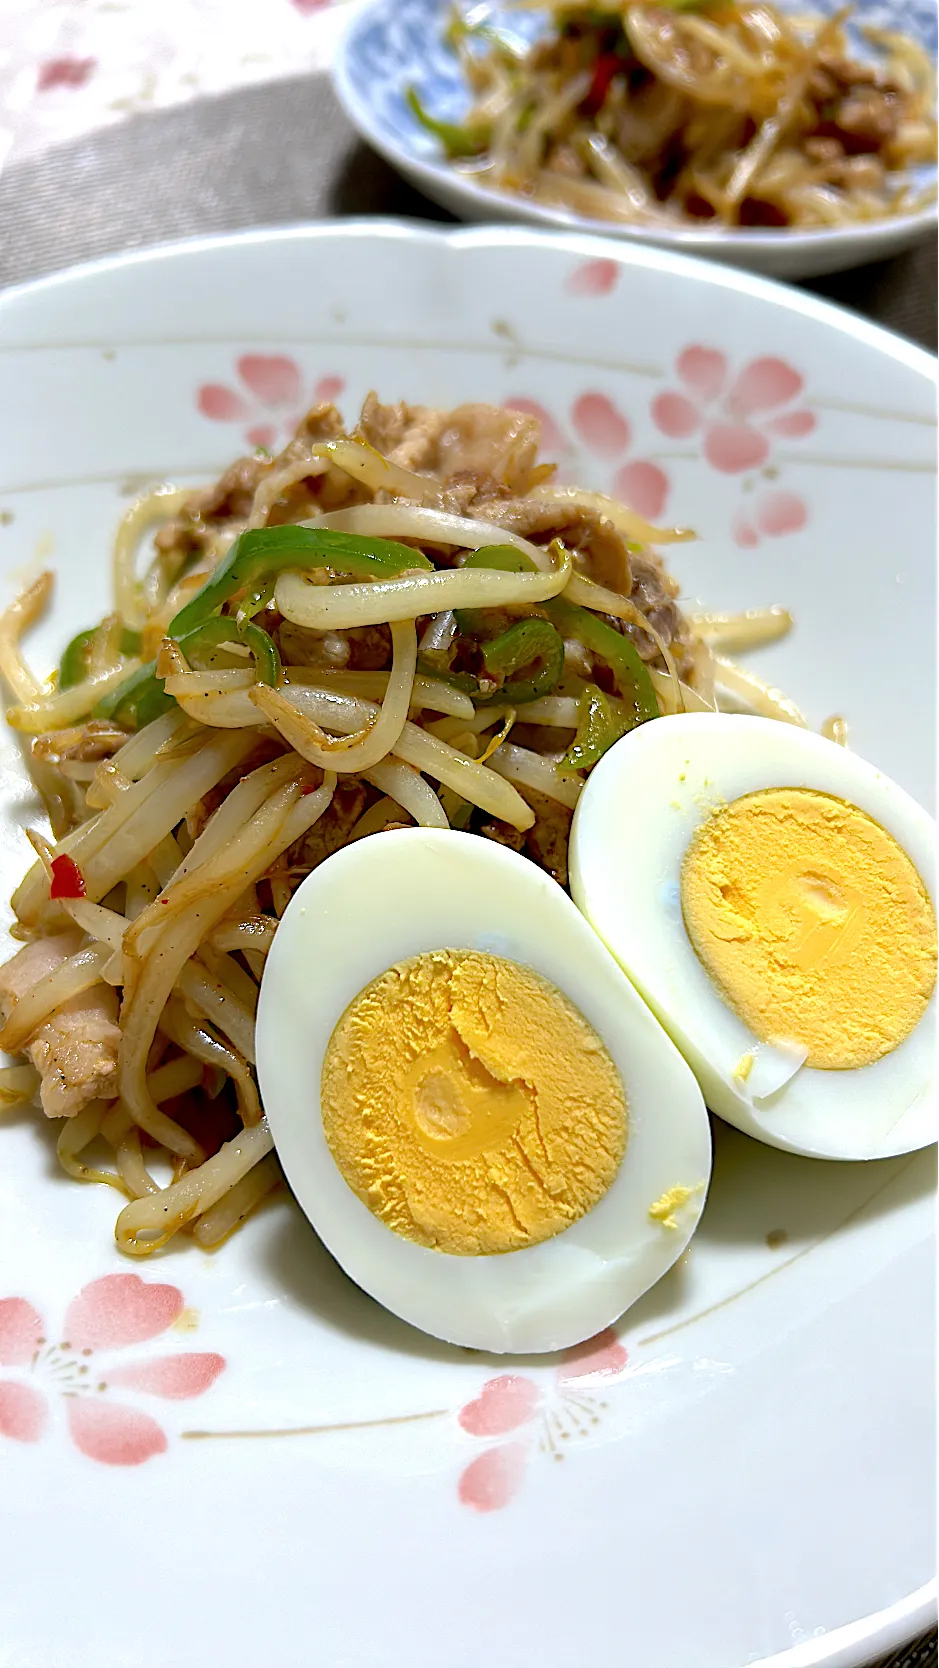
(600, 425)
(606, 432)
(553, 439)
(502, 1405)
(23, 1412)
(745, 534)
(119, 1310)
(270, 401)
(738, 419)
(703, 371)
(774, 515)
(113, 1435)
(306, 8)
(328, 388)
(593, 278)
(763, 385)
(490, 1480)
(20, 1331)
(64, 72)
(781, 512)
(113, 1313)
(597, 1361)
(675, 416)
(734, 448)
(643, 486)
(541, 1418)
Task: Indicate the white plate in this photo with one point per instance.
(744, 1474)
(391, 45)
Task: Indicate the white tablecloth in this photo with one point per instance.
(70, 66)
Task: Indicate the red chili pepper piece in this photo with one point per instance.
(67, 881)
(607, 65)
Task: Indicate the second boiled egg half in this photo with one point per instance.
(771, 896)
(484, 1122)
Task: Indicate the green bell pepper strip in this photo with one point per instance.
(459, 30)
(520, 645)
(456, 140)
(463, 681)
(257, 599)
(141, 698)
(599, 724)
(260, 555)
(474, 622)
(502, 556)
(138, 700)
(73, 667)
(219, 630)
(524, 644)
(253, 562)
(616, 651)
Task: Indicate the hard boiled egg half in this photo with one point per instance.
(483, 1121)
(772, 897)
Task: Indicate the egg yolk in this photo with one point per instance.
(665, 1208)
(813, 923)
(470, 1105)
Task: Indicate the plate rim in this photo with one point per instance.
(863, 1641)
(884, 1630)
(873, 234)
(589, 245)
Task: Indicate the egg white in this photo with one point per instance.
(396, 895)
(635, 819)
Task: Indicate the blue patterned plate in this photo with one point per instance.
(392, 45)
